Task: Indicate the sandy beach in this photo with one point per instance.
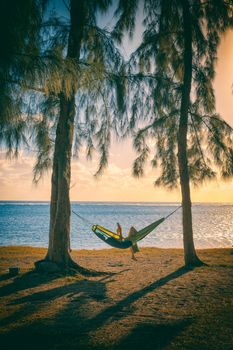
(153, 303)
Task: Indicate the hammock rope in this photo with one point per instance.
(82, 218)
(91, 223)
(172, 212)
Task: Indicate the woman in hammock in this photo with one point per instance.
(132, 231)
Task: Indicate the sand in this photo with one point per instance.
(151, 303)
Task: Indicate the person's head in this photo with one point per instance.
(118, 225)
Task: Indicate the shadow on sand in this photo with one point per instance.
(149, 336)
(73, 322)
(25, 281)
(5, 276)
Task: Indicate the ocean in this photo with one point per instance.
(26, 223)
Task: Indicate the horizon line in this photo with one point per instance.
(107, 201)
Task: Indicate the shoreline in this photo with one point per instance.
(114, 249)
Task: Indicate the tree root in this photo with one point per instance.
(83, 271)
(195, 263)
(70, 267)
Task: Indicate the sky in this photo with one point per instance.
(117, 183)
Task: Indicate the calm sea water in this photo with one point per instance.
(26, 223)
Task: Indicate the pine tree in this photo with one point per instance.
(69, 96)
(90, 46)
(171, 76)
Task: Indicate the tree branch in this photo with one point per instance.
(35, 88)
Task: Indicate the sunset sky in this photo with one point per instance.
(117, 183)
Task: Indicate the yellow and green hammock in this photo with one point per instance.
(114, 240)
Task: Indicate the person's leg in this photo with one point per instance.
(132, 253)
(132, 231)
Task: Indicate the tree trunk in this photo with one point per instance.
(190, 255)
(59, 230)
(58, 250)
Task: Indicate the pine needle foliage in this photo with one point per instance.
(35, 71)
(19, 33)
(155, 81)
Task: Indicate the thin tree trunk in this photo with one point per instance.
(190, 255)
(60, 201)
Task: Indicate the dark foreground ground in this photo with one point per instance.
(153, 303)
